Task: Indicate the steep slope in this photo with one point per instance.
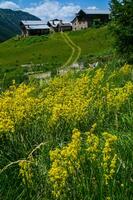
(9, 22)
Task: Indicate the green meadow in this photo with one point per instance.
(51, 51)
(93, 41)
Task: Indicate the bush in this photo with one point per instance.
(122, 27)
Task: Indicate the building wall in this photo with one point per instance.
(64, 28)
(78, 25)
(23, 30)
(38, 31)
(82, 23)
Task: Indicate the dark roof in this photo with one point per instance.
(54, 23)
(97, 12)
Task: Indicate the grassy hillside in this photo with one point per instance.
(70, 138)
(36, 49)
(48, 50)
(96, 44)
(9, 22)
(93, 41)
(52, 51)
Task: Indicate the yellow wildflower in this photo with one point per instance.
(70, 102)
(116, 97)
(65, 162)
(109, 162)
(126, 69)
(26, 172)
(98, 77)
(92, 143)
(16, 105)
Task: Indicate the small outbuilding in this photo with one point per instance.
(29, 28)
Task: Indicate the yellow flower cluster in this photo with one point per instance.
(126, 69)
(65, 162)
(69, 102)
(117, 96)
(109, 160)
(92, 143)
(6, 123)
(25, 172)
(16, 105)
(98, 77)
(65, 98)
(104, 155)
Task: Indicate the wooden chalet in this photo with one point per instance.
(58, 25)
(87, 19)
(34, 28)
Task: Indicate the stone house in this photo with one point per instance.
(88, 19)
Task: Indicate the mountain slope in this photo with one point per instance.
(9, 22)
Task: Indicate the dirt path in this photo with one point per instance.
(73, 58)
(76, 50)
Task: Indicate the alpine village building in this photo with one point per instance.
(82, 20)
(88, 19)
(40, 28)
(58, 25)
(34, 28)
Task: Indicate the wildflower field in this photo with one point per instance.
(70, 138)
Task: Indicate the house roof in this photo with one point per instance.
(96, 11)
(38, 27)
(54, 22)
(35, 24)
(39, 22)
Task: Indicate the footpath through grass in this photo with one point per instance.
(51, 51)
(76, 50)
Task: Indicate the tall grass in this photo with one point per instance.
(70, 138)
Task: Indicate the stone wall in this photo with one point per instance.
(78, 25)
